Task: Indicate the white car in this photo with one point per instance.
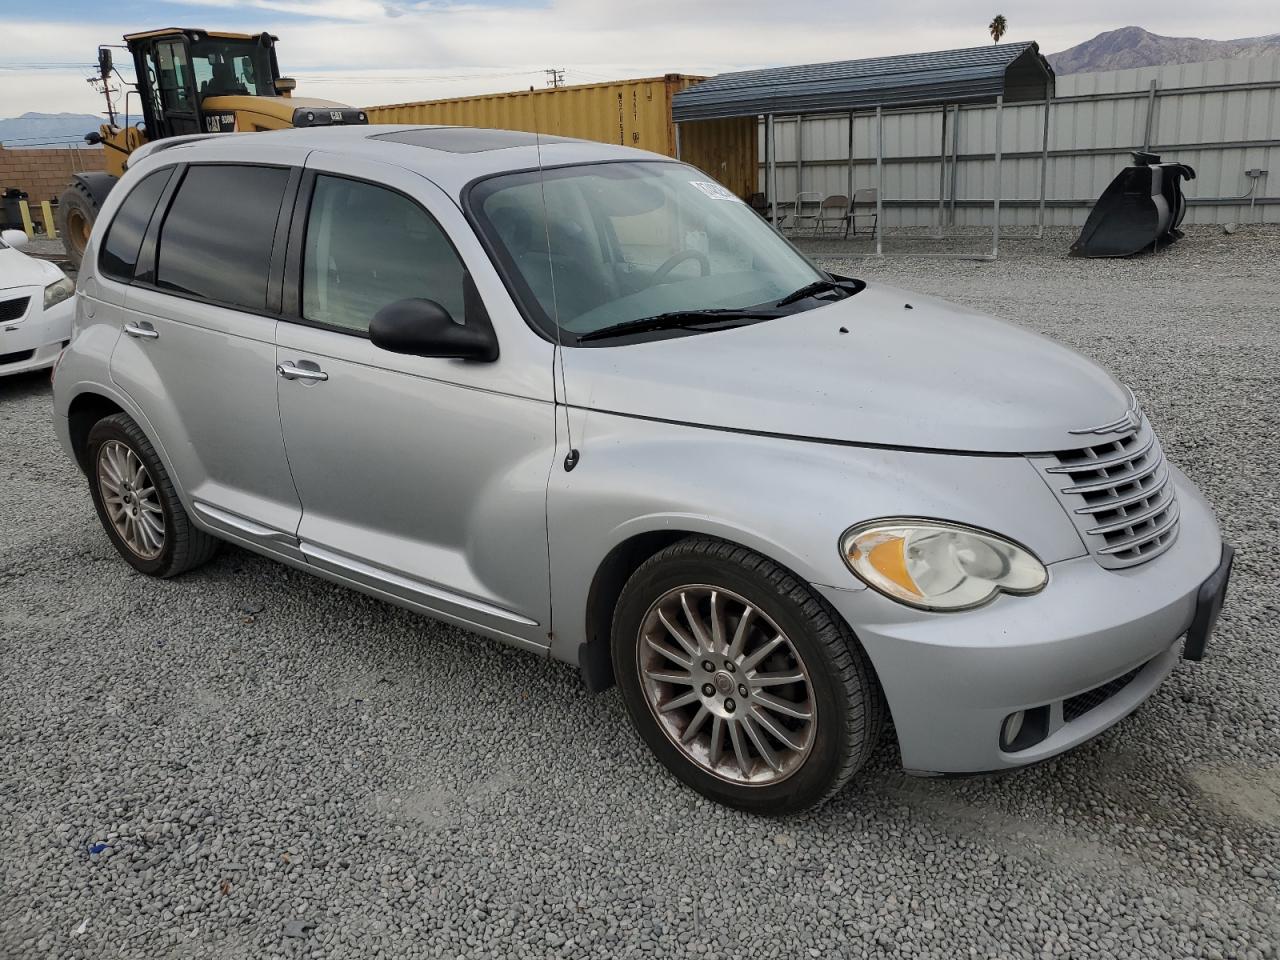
(36, 308)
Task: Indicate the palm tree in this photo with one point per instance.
(998, 27)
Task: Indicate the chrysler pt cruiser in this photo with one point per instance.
(581, 399)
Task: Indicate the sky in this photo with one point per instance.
(366, 52)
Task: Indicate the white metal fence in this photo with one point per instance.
(1221, 117)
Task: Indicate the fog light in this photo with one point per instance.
(1024, 728)
(1011, 728)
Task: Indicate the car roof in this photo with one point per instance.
(450, 156)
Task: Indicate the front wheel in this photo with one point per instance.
(76, 212)
(745, 684)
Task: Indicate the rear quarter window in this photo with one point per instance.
(216, 240)
(119, 256)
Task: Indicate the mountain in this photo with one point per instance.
(47, 130)
(1135, 47)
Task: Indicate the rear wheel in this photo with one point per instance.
(76, 212)
(744, 683)
(137, 503)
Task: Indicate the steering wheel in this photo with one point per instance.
(679, 257)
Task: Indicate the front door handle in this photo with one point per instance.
(143, 330)
(292, 371)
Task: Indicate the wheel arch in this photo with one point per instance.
(90, 402)
(595, 660)
(594, 656)
(85, 410)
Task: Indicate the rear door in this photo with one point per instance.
(199, 352)
(422, 479)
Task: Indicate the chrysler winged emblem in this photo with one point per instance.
(1130, 422)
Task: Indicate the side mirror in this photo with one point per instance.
(423, 328)
(14, 238)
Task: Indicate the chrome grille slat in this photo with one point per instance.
(1125, 456)
(1133, 498)
(1110, 483)
(1133, 520)
(1146, 536)
(1124, 519)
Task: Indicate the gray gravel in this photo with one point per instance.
(248, 762)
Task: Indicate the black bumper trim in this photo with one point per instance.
(1208, 605)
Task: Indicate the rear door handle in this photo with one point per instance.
(292, 371)
(143, 330)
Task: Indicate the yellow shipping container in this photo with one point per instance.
(634, 113)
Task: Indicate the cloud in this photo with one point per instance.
(361, 51)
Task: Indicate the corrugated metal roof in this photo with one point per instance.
(971, 75)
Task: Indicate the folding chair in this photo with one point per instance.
(808, 206)
(833, 214)
(861, 198)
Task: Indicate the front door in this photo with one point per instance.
(176, 100)
(421, 479)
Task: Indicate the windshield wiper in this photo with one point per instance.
(848, 287)
(675, 320)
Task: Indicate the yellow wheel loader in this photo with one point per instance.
(188, 82)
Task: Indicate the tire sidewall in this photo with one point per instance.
(113, 429)
(812, 781)
(77, 198)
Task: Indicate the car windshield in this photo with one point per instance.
(598, 245)
(225, 67)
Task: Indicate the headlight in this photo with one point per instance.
(939, 566)
(58, 291)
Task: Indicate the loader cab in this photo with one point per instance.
(178, 70)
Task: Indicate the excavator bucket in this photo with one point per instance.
(1141, 209)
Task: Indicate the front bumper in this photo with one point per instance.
(34, 341)
(952, 678)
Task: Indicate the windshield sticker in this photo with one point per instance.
(714, 190)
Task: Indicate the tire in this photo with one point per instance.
(837, 687)
(116, 447)
(77, 210)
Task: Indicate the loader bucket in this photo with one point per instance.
(1140, 209)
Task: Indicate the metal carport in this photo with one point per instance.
(995, 74)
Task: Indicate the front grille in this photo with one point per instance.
(1075, 707)
(13, 309)
(18, 357)
(1118, 492)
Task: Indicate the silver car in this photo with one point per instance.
(581, 399)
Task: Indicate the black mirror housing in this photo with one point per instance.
(423, 328)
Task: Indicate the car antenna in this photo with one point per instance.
(571, 458)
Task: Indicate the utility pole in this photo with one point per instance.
(555, 76)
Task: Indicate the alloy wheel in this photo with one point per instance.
(131, 500)
(726, 685)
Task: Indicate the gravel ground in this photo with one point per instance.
(249, 762)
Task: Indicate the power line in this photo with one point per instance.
(43, 136)
(555, 76)
(77, 144)
(311, 78)
(47, 66)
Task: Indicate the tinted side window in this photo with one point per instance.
(216, 240)
(124, 236)
(366, 247)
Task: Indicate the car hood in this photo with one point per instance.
(911, 371)
(19, 270)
